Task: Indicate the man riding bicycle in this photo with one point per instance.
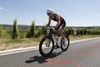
(60, 22)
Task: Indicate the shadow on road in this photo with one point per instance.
(41, 59)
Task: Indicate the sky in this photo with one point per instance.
(75, 12)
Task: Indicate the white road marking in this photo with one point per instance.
(19, 50)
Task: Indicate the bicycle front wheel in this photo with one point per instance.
(65, 43)
(46, 46)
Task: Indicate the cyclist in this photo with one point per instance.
(60, 22)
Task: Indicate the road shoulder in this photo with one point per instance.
(19, 50)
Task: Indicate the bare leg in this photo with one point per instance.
(60, 31)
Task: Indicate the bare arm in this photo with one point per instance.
(49, 22)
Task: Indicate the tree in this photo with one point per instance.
(1, 31)
(31, 31)
(15, 33)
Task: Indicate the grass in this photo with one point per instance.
(6, 44)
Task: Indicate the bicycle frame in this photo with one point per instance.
(52, 34)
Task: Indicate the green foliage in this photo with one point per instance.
(83, 31)
(31, 30)
(1, 32)
(68, 31)
(40, 32)
(15, 33)
(23, 33)
(87, 31)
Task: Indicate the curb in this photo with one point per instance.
(19, 50)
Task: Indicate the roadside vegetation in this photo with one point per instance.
(15, 37)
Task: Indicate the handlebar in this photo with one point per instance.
(49, 29)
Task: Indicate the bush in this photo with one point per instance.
(68, 31)
(23, 33)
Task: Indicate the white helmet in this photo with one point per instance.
(50, 11)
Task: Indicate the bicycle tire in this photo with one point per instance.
(41, 44)
(64, 49)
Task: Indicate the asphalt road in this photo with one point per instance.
(80, 54)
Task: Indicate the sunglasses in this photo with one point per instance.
(48, 13)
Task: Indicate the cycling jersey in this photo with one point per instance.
(55, 19)
(63, 24)
(62, 21)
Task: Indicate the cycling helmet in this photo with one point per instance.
(50, 11)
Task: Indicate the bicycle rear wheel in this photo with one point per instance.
(46, 46)
(65, 43)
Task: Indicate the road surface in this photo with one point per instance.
(80, 54)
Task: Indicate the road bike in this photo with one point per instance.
(47, 44)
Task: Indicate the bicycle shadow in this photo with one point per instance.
(41, 59)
